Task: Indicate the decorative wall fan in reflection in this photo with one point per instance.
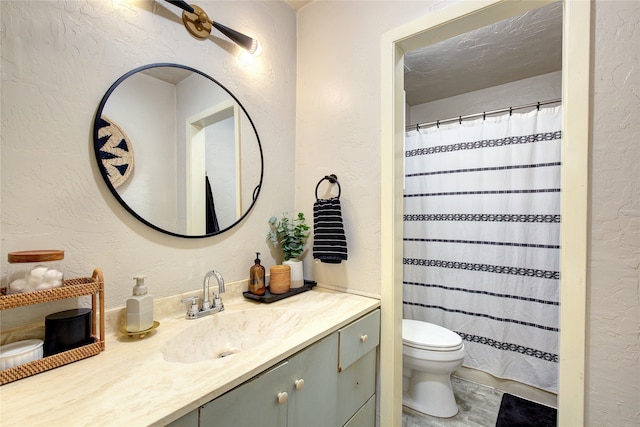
(114, 151)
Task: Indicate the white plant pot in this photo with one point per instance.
(297, 272)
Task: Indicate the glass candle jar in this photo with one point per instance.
(34, 270)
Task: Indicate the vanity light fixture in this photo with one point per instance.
(197, 22)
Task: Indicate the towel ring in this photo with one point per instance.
(333, 179)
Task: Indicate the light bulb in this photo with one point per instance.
(256, 48)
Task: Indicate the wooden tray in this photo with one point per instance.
(268, 297)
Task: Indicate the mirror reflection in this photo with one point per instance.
(178, 150)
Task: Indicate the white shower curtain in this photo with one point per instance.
(481, 239)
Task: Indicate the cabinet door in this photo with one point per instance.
(313, 403)
(254, 403)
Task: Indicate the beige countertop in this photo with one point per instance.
(131, 382)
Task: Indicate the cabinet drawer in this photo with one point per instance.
(358, 339)
(366, 416)
(356, 385)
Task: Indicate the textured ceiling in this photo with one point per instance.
(510, 50)
(173, 75)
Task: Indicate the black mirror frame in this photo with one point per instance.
(103, 172)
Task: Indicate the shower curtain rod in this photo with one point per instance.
(483, 114)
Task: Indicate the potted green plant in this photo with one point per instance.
(290, 235)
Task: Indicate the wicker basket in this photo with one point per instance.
(93, 286)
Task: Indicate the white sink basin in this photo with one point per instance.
(226, 333)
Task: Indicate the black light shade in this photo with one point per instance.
(181, 4)
(250, 44)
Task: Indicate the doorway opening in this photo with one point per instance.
(433, 28)
(213, 155)
(488, 200)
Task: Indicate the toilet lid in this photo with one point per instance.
(427, 336)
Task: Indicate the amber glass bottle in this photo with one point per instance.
(256, 277)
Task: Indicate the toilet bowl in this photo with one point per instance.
(430, 353)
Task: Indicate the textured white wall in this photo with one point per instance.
(338, 123)
(338, 131)
(58, 60)
(613, 375)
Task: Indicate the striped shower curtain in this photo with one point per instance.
(481, 239)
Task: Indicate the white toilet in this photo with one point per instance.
(430, 353)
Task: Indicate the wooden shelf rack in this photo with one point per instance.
(71, 288)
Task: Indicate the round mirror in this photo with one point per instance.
(178, 150)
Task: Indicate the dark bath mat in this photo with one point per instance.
(518, 412)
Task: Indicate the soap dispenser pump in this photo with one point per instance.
(139, 307)
(256, 277)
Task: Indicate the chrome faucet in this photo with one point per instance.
(207, 308)
(217, 301)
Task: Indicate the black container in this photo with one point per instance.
(66, 330)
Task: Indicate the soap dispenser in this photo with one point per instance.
(139, 307)
(256, 277)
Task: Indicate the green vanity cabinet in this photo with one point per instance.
(294, 393)
(330, 383)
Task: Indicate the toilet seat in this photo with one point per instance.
(427, 336)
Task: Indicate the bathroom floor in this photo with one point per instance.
(478, 406)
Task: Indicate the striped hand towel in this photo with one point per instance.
(329, 240)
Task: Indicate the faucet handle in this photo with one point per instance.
(217, 302)
(193, 309)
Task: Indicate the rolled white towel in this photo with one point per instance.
(53, 278)
(43, 285)
(55, 283)
(38, 272)
(32, 283)
(18, 285)
(35, 277)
